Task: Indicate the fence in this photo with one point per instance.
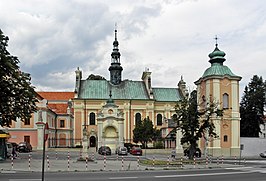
(64, 143)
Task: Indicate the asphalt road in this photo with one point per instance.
(243, 174)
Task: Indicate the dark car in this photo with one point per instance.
(196, 154)
(24, 147)
(136, 151)
(104, 150)
(263, 154)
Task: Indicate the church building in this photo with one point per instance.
(106, 111)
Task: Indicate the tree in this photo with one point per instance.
(144, 132)
(195, 123)
(17, 96)
(252, 107)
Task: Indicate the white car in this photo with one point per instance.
(121, 151)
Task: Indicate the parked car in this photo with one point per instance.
(263, 154)
(24, 147)
(104, 150)
(121, 151)
(136, 151)
(196, 154)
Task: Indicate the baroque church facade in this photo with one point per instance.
(106, 111)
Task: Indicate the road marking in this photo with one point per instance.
(204, 174)
(24, 179)
(8, 171)
(120, 178)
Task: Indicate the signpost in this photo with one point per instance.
(45, 137)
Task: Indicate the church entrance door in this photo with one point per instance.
(92, 141)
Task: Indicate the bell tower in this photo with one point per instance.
(220, 84)
(115, 68)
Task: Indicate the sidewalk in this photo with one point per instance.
(35, 165)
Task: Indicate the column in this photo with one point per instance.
(40, 133)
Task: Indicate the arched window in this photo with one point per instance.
(225, 101)
(159, 120)
(137, 118)
(225, 138)
(92, 118)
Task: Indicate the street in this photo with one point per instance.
(112, 169)
(163, 175)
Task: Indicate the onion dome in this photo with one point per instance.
(217, 56)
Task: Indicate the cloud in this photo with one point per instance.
(171, 38)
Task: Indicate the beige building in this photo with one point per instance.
(132, 101)
(219, 84)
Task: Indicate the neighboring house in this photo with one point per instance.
(53, 108)
(27, 131)
(61, 126)
(168, 133)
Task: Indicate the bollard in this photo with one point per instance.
(222, 159)
(122, 162)
(168, 160)
(104, 163)
(217, 160)
(138, 163)
(86, 163)
(68, 165)
(194, 161)
(153, 159)
(181, 160)
(56, 155)
(12, 161)
(29, 161)
(235, 160)
(206, 161)
(48, 162)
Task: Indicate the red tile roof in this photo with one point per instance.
(58, 108)
(57, 95)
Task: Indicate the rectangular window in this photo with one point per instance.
(27, 139)
(62, 123)
(27, 122)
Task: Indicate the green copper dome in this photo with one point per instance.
(217, 68)
(217, 56)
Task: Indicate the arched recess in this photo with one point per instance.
(110, 132)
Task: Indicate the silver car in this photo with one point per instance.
(121, 151)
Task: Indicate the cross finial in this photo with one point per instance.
(216, 40)
(115, 31)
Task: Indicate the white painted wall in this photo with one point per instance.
(253, 146)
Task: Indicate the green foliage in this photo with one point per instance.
(158, 145)
(252, 107)
(17, 96)
(195, 123)
(144, 132)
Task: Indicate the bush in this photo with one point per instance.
(158, 145)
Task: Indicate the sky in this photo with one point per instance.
(172, 38)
